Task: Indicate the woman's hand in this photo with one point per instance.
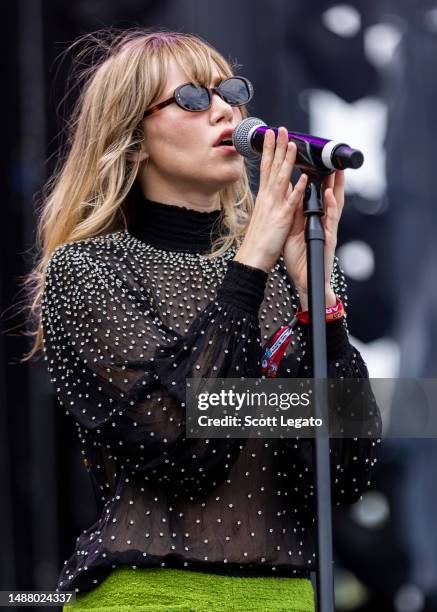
(275, 204)
(294, 251)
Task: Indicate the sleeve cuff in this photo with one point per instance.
(337, 340)
(243, 286)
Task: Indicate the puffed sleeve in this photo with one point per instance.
(352, 459)
(121, 373)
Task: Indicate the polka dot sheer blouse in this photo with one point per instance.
(127, 318)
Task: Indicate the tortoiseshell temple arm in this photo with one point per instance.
(157, 107)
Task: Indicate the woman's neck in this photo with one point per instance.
(180, 195)
(172, 227)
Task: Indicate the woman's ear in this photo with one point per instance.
(140, 155)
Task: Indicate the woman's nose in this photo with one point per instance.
(220, 107)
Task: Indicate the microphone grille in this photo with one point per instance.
(242, 134)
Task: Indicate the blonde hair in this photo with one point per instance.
(86, 195)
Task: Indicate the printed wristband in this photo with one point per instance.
(275, 349)
(332, 313)
(276, 345)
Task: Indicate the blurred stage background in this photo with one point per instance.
(362, 72)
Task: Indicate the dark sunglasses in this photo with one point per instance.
(236, 91)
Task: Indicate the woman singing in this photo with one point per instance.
(158, 266)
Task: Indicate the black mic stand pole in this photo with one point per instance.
(315, 242)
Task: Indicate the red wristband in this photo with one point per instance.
(332, 313)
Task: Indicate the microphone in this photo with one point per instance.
(313, 153)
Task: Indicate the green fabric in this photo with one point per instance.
(178, 590)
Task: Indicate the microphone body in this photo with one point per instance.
(313, 153)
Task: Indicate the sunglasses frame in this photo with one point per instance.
(211, 90)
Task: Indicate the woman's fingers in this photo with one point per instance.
(335, 181)
(300, 187)
(332, 215)
(283, 177)
(280, 155)
(267, 157)
(277, 162)
(339, 188)
(328, 181)
(296, 201)
(333, 198)
(289, 191)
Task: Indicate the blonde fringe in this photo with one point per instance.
(84, 197)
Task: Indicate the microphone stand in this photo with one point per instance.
(315, 242)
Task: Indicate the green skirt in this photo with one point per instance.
(178, 590)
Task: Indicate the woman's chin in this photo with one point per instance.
(226, 181)
(231, 173)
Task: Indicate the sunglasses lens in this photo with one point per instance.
(235, 91)
(193, 98)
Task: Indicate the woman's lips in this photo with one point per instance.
(227, 148)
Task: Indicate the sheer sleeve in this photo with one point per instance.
(352, 459)
(120, 372)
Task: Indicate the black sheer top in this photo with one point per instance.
(127, 317)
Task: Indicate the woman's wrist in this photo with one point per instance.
(251, 259)
(330, 298)
(303, 299)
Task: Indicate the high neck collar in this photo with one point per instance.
(172, 227)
